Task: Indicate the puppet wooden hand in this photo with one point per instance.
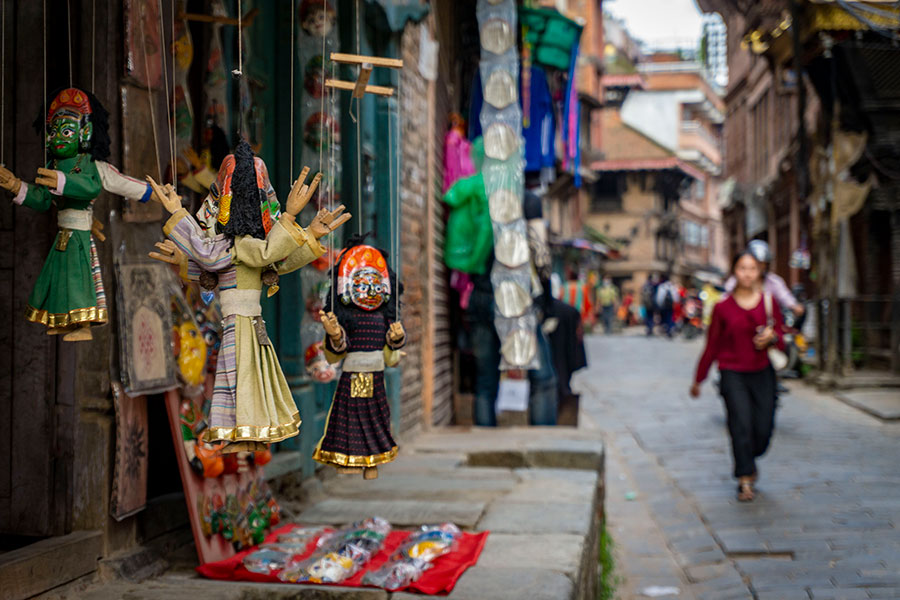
(165, 195)
(47, 177)
(9, 181)
(327, 221)
(301, 193)
(331, 325)
(396, 332)
(168, 252)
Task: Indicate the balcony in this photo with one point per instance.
(695, 137)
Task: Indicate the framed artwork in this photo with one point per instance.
(145, 328)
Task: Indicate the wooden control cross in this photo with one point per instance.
(366, 64)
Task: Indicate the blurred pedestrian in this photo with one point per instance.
(772, 282)
(626, 309)
(608, 299)
(577, 293)
(648, 302)
(743, 327)
(666, 296)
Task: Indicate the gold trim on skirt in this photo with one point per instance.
(345, 460)
(73, 317)
(254, 433)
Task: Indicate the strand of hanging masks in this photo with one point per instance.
(504, 181)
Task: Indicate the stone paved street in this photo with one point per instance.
(826, 518)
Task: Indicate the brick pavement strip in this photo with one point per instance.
(825, 522)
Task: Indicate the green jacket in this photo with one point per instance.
(470, 236)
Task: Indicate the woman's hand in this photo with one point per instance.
(9, 181)
(764, 338)
(695, 390)
(301, 193)
(165, 195)
(331, 325)
(396, 332)
(327, 221)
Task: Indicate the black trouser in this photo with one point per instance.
(750, 402)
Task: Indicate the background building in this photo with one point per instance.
(812, 137)
(658, 163)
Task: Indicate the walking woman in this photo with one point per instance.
(743, 327)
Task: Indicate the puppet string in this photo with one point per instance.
(172, 135)
(359, 216)
(291, 109)
(93, 42)
(150, 95)
(170, 118)
(46, 107)
(2, 80)
(322, 134)
(69, 37)
(399, 208)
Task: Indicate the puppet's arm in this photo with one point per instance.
(396, 339)
(335, 337)
(284, 239)
(83, 184)
(36, 197)
(119, 184)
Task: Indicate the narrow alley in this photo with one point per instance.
(824, 524)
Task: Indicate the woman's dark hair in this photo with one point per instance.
(738, 257)
(99, 119)
(246, 196)
(343, 311)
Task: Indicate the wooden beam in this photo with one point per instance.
(49, 563)
(350, 85)
(357, 59)
(365, 71)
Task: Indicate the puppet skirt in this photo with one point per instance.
(358, 429)
(69, 290)
(252, 402)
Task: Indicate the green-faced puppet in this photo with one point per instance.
(68, 297)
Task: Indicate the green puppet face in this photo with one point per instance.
(66, 136)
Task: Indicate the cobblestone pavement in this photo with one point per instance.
(826, 521)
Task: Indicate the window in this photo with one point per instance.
(694, 234)
(606, 193)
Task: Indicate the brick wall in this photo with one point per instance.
(427, 366)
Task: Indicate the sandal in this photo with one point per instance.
(745, 491)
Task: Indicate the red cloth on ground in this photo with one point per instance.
(439, 579)
(730, 338)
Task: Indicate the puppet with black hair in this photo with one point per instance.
(361, 328)
(68, 296)
(241, 237)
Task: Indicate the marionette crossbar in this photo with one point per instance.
(366, 65)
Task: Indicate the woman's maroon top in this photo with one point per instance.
(730, 338)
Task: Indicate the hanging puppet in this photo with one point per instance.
(238, 240)
(361, 327)
(68, 296)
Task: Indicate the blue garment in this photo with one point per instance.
(486, 348)
(543, 401)
(541, 130)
